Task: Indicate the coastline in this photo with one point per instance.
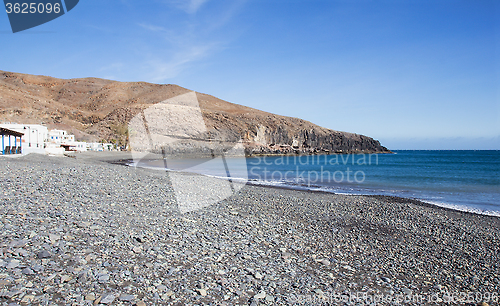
(115, 233)
(125, 158)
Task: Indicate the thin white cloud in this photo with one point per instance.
(152, 28)
(171, 50)
(194, 5)
(188, 6)
(117, 66)
(162, 69)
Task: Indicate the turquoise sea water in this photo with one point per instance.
(464, 180)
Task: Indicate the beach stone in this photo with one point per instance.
(140, 303)
(202, 292)
(349, 268)
(65, 278)
(27, 299)
(18, 243)
(319, 292)
(406, 291)
(90, 297)
(6, 294)
(169, 293)
(108, 299)
(21, 252)
(325, 262)
(126, 297)
(103, 278)
(161, 288)
(54, 238)
(260, 295)
(257, 275)
(43, 254)
(385, 279)
(27, 271)
(14, 263)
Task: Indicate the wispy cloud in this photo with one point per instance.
(112, 66)
(194, 5)
(181, 49)
(161, 68)
(177, 48)
(152, 28)
(189, 6)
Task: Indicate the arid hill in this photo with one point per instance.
(97, 109)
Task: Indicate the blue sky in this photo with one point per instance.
(412, 74)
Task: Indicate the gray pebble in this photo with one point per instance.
(43, 254)
(126, 297)
(28, 271)
(108, 299)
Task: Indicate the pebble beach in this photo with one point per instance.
(83, 230)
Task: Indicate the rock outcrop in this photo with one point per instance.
(96, 109)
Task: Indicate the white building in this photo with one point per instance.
(54, 149)
(78, 146)
(38, 139)
(34, 139)
(60, 136)
(94, 146)
(67, 141)
(97, 146)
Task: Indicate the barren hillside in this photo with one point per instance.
(97, 109)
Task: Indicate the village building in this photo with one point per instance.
(10, 146)
(34, 138)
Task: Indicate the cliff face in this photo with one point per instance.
(275, 135)
(96, 109)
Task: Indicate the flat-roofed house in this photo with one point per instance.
(11, 141)
(34, 139)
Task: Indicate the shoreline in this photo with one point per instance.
(445, 206)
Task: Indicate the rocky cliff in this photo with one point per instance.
(96, 109)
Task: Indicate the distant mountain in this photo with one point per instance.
(97, 109)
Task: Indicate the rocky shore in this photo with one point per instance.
(81, 231)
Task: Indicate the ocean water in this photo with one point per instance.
(462, 180)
